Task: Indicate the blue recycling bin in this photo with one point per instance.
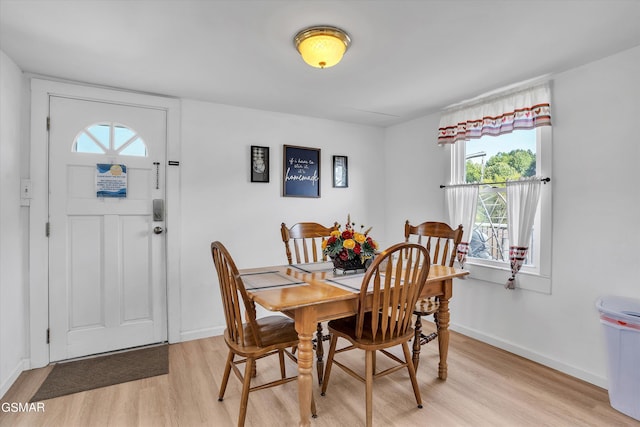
(620, 318)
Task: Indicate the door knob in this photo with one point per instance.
(158, 230)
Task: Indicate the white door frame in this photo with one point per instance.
(39, 210)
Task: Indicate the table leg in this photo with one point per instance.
(443, 336)
(306, 325)
(320, 353)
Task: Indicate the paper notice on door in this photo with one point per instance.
(111, 180)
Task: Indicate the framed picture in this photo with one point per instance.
(301, 172)
(340, 172)
(259, 164)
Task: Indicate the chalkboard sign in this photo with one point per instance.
(301, 172)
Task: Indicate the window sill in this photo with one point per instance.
(500, 275)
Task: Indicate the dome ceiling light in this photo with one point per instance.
(322, 46)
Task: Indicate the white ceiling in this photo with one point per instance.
(407, 58)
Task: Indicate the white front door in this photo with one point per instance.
(107, 279)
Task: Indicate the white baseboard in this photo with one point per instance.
(201, 333)
(531, 355)
(22, 365)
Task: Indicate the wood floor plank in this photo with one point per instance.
(486, 387)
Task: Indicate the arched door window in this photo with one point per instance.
(110, 138)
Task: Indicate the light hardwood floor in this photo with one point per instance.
(486, 387)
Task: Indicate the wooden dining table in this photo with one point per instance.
(315, 292)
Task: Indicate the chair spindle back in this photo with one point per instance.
(307, 238)
(439, 238)
(234, 297)
(392, 285)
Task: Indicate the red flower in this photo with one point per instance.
(331, 240)
(347, 234)
(344, 255)
(357, 249)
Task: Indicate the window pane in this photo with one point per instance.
(136, 148)
(121, 135)
(490, 239)
(120, 141)
(101, 133)
(85, 144)
(498, 158)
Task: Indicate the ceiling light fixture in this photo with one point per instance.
(323, 46)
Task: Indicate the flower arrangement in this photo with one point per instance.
(349, 244)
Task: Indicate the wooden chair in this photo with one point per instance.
(307, 238)
(253, 338)
(389, 291)
(442, 242)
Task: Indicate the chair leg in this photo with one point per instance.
(327, 372)
(416, 341)
(319, 353)
(246, 385)
(432, 336)
(314, 412)
(225, 377)
(254, 371)
(412, 374)
(373, 363)
(369, 386)
(283, 371)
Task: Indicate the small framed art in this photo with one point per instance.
(259, 164)
(340, 172)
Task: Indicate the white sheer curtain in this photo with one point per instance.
(462, 201)
(522, 203)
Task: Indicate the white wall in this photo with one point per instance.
(596, 207)
(415, 168)
(12, 283)
(220, 203)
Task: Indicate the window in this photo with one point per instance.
(495, 159)
(110, 138)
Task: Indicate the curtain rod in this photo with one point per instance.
(544, 181)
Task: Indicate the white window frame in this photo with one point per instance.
(535, 277)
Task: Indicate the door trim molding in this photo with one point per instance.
(39, 211)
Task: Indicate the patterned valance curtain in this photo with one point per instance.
(520, 109)
(522, 202)
(462, 202)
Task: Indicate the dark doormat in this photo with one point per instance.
(88, 374)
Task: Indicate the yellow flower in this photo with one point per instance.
(336, 233)
(324, 244)
(359, 237)
(349, 244)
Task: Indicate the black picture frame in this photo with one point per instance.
(259, 164)
(340, 171)
(300, 171)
